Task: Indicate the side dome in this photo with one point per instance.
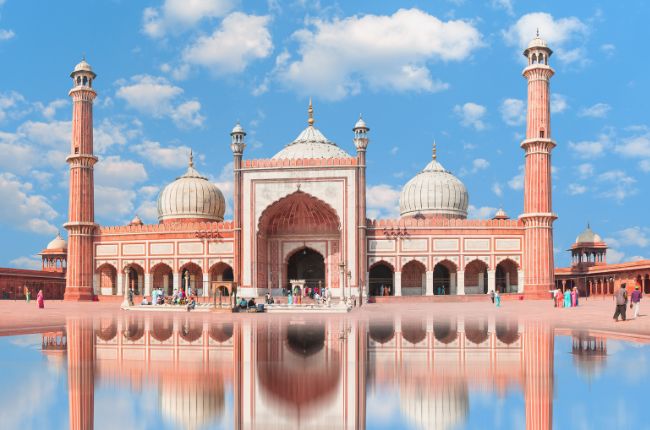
(434, 191)
(191, 197)
(311, 143)
(57, 243)
(588, 236)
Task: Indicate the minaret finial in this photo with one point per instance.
(537, 31)
(310, 111)
(433, 152)
(191, 158)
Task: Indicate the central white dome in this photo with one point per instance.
(191, 197)
(434, 191)
(311, 143)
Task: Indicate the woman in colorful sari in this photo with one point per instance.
(28, 294)
(567, 298)
(40, 300)
(558, 298)
(574, 297)
(577, 295)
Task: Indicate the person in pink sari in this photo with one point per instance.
(574, 297)
(40, 300)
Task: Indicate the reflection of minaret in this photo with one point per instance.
(237, 376)
(81, 373)
(538, 375)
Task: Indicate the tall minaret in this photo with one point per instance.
(538, 216)
(237, 146)
(81, 210)
(361, 143)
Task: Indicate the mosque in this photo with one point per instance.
(299, 219)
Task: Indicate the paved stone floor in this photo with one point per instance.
(592, 314)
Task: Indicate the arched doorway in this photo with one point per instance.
(134, 275)
(163, 278)
(191, 276)
(107, 279)
(413, 279)
(476, 277)
(221, 279)
(296, 215)
(646, 284)
(507, 276)
(444, 277)
(380, 279)
(309, 265)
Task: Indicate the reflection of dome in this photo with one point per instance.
(191, 404)
(434, 191)
(589, 355)
(311, 143)
(57, 244)
(439, 406)
(588, 236)
(191, 196)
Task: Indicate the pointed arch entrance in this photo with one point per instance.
(298, 235)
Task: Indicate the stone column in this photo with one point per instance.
(96, 284)
(147, 284)
(397, 284)
(491, 280)
(429, 283)
(206, 285)
(520, 281)
(120, 283)
(460, 283)
(176, 281)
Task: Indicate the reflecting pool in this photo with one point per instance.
(139, 372)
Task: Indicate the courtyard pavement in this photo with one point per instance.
(593, 314)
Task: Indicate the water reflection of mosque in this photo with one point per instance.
(305, 374)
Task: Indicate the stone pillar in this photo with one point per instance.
(341, 283)
(147, 284)
(176, 281)
(397, 284)
(460, 283)
(96, 284)
(491, 279)
(206, 285)
(538, 213)
(140, 286)
(120, 283)
(429, 283)
(81, 206)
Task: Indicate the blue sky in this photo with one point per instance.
(175, 75)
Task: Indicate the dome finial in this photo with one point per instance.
(537, 31)
(191, 158)
(310, 111)
(433, 152)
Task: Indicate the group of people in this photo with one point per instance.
(567, 299)
(40, 298)
(495, 297)
(179, 297)
(621, 298)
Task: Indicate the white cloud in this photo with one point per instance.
(6, 34)
(225, 183)
(561, 34)
(482, 212)
(240, 40)
(644, 165)
(383, 201)
(635, 146)
(608, 48)
(599, 110)
(169, 157)
(12, 105)
(614, 256)
(156, 97)
(586, 170)
(479, 164)
(55, 133)
(618, 185)
(33, 262)
(394, 150)
(513, 112)
(27, 211)
(506, 5)
(112, 171)
(471, 115)
(49, 110)
(558, 103)
(178, 15)
(113, 203)
(633, 236)
(517, 181)
(576, 189)
(497, 189)
(339, 57)
(589, 149)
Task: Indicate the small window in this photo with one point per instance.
(85, 80)
(534, 58)
(78, 80)
(541, 134)
(76, 149)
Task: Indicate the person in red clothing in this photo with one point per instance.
(635, 299)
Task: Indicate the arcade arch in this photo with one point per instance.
(163, 277)
(414, 279)
(380, 279)
(444, 278)
(309, 265)
(107, 279)
(191, 275)
(134, 278)
(507, 276)
(476, 279)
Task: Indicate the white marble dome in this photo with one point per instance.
(189, 197)
(57, 243)
(434, 191)
(588, 236)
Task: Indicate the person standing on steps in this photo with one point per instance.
(620, 298)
